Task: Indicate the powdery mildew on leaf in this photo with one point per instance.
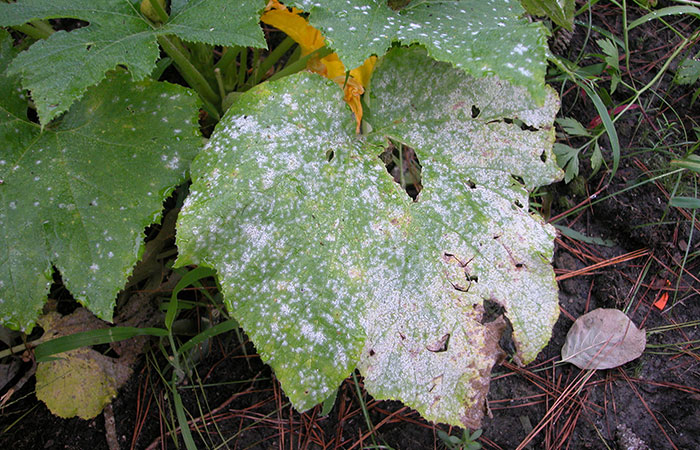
(329, 265)
(468, 238)
(291, 233)
(117, 34)
(470, 170)
(483, 37)
(78, 196)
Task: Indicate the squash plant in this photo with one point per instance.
(326, 262)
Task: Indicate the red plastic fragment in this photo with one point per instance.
(660, 302)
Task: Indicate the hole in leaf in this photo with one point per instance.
(520, 124)
(506, 341)
(492, 310)
(471, 184)
(518, 204)
(543, 157)
(32, 116)
(330, 154)
(439, 345)
(403, 165)
(66, 24)
(518, 179)
(371, 352)
(475, 112)
(464, 264)
(397, 5)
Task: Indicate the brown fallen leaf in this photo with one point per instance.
(603, 339)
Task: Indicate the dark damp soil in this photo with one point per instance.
(650, 403)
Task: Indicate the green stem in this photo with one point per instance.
(188, 71)
(220, 83)
(18, 349)
(273, 57)
(31, 31)
(227, 58)
(294, 58)
(256, 66)
(212, 110)
(162, 15)
(300, 64)
(243, 66)
(44, 26)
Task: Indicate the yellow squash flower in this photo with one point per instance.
(310, 40)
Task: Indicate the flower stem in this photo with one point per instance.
(159, 10)
(273, 57)
(242, 67)
(188, 71)
(227, 58)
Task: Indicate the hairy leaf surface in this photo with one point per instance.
(117, 34)
(483, 37)
(78, 196)
(329, 265)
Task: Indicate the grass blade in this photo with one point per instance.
(182, 420)
(187, 280)
(607, 124)
(685, 202)
(223, 327)
(93, 337)
(692, 10)
(691, 162)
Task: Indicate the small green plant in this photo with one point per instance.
(592, 79)
(466, 442)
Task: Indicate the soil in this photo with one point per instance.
(650, 403)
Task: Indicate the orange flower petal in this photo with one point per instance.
(363, 73)
(310, 39)
(275, 4)
(296, 27)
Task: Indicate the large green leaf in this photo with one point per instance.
(483, 37)
(78, 195)
(286, 229)
(470, 229)
(329, 265)
(117, 34)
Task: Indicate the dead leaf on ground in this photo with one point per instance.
(603, 339)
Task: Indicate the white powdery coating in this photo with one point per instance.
(472, 209)
(329, 263)
(481, 37)
(264, 210)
